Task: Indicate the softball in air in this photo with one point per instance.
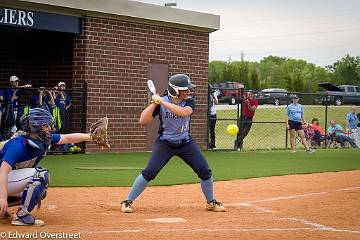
(232, 129)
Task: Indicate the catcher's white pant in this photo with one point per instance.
(18, 179)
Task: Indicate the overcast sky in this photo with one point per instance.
(319, 31)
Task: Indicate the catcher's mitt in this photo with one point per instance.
(98, 132)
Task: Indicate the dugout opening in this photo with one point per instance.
(41, 58)
(37, 57)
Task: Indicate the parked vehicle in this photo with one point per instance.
(338, 95)
(274, 96)
(229, 92)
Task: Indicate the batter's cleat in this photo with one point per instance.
(126, 206)
(215, 206)
(27, 220)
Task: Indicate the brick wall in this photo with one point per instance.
(113, 57)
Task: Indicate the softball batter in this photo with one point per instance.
(175, 110)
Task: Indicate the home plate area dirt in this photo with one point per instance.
(311, 206)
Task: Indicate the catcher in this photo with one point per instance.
(22, 181)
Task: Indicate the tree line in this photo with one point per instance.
(292, 74)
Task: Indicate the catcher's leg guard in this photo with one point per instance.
(35, 190)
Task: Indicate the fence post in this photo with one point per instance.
(84, 110)
(208, 117)
(286, 131)
(326, 120)
(241, 126)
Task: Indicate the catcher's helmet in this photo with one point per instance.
(39, 117)
(24, 122)
(179, 82)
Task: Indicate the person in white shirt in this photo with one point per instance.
(213, 101)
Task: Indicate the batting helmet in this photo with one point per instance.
(179, 82)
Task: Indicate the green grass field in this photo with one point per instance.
(271, 135)
(65, 170)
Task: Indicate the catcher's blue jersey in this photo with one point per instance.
(173, 127)
(25, 152)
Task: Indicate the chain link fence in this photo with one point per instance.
(268, 129)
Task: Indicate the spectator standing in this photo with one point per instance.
(353, 121)
(44, 99)
(63, 101)
(250, 106)
(294, 121)
(212, 122)
(12, 96)
(336, 131)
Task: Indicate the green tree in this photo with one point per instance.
(216, 69)
(254, 79)
(295, 71)
(276, 79)
(346, 70)
(269, 71)
(292, 74)
(229, 71)
(240, 71)
(319, 75)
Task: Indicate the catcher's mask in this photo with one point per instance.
(179, 82)
(37, 119)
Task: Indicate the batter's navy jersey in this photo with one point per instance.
(25, 152)
(173, 127)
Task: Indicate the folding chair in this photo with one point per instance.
(309, 134)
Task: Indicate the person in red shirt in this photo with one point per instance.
(250, 106)
(319, 133)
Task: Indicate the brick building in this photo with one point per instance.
(114, 46)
